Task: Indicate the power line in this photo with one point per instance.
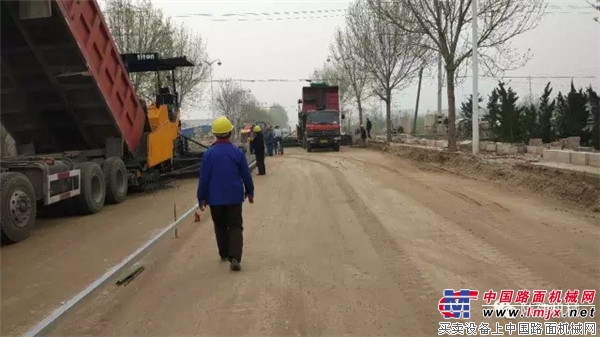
(264, 19)
(527, 77)
(270, 19)
(553, 8)
(466, 76)
(275, 13)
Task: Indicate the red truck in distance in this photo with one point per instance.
(319, 124)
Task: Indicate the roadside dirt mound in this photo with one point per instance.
(569, 187)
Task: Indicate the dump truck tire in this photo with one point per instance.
(93, 189)
(18, 207)
(336, 148)
(115, 178)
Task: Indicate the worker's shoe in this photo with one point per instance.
(224, 258)
(234, 265)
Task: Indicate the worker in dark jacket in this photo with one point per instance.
(270, 140)
(225, 181)
(259, 150)
(363, 136)
(369, 126)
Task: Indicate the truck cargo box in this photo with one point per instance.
(64, 85)
(327, 97)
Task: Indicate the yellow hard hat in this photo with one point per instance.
(257, 128)
(221, 125)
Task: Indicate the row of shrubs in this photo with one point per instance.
(574, 114)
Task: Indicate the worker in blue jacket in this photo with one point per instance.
(225, 181)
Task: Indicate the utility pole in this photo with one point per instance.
(440, 79)
(212, 97)
(475, 115)
(414, 126)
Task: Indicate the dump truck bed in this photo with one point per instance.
(326, 97)
(64, 86)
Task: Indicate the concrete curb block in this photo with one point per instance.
(45, 325)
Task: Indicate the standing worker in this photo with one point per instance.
(363, 136)
(259, 150)
(270, 140)
(278, 137)
(225, 181)
(369, 126)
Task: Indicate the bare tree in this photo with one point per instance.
(137, 26)
(191, 79)
(447, 25)
(355, 75)
(233, 101)
(391, 57)
(597, 7)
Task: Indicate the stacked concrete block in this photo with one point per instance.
(593, 159)
(465, 146)
(401, 138)
(536, 142)
(491, 147)
(521, 148)
(535, 149)
(503, 148)
(507, 148)
(572, 157)
(441, 143)
(570, 142)
(557, 156)
(579, 158)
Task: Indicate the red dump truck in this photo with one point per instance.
(319, 123)
(83, 136)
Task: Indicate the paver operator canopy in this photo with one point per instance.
(163, 116)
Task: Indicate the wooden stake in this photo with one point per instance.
(175, 218)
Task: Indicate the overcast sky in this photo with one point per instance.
(257, 40)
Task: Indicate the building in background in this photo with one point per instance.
(197, 129)
(193, 123)
(434, 122)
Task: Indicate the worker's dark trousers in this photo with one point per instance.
(228, 230)
(369, 133)
(260, 163)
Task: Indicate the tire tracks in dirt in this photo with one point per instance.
(406, 276)
(436, 236)
(516, 234)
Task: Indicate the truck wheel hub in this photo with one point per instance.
(20, 208)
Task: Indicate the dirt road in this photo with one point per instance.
(354, 242)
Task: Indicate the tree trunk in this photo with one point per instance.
(451, 110)
(360, 111)
(388, 116)
(414, 124)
